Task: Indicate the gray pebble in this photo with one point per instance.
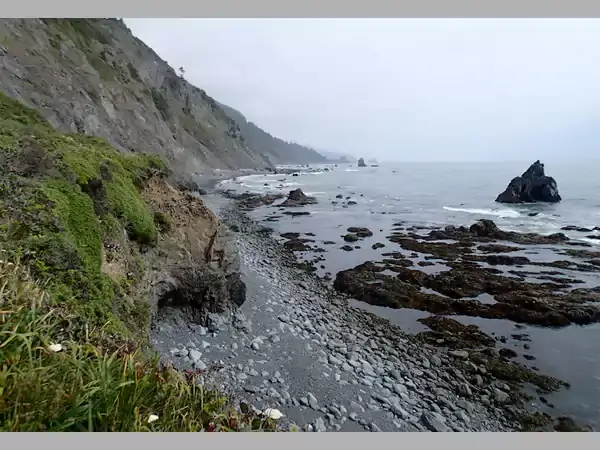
(312, 401)
(319, 425)
(334, 360)
(434, 422)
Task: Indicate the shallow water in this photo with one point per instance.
(455, 194)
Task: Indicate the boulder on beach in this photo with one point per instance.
(533, 186)
(361, 163)
(484, 228)
(298, 198)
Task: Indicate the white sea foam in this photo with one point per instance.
(590, 241)
(486, 212)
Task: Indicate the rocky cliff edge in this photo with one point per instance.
(94, 77)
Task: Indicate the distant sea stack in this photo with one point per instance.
(361, 163)
(533, 186)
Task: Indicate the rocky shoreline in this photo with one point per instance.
(296, 345)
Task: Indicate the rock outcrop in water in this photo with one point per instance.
(298, 198)
(361, 163)
(533, 186)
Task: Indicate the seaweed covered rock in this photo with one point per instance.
(533, 186)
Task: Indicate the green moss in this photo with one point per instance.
(14, 111)
(111, 227)
(106, 71)
(57, 224)
(86, 156)
(75, 211)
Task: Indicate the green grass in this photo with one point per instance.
(94, 383)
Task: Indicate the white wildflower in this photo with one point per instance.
(272, 413)
(55, 347)
(152, 418)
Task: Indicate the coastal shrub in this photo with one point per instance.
(162, 221)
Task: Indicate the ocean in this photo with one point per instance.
(440, 194)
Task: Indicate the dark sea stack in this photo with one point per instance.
(298, 198)
(361, 163)
(533, 186)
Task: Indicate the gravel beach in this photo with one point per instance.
(297, 346)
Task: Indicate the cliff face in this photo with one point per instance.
(93, 76)
(277, 150)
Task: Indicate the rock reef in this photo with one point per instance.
(549, 301)
(533, 186)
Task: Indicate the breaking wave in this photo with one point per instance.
(486, 212)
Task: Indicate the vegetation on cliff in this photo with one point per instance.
(73, 353)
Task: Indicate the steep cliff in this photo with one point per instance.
(277, 150)
(93, 76)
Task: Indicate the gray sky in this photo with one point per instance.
(400, 89)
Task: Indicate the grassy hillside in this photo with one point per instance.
(73, 335)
